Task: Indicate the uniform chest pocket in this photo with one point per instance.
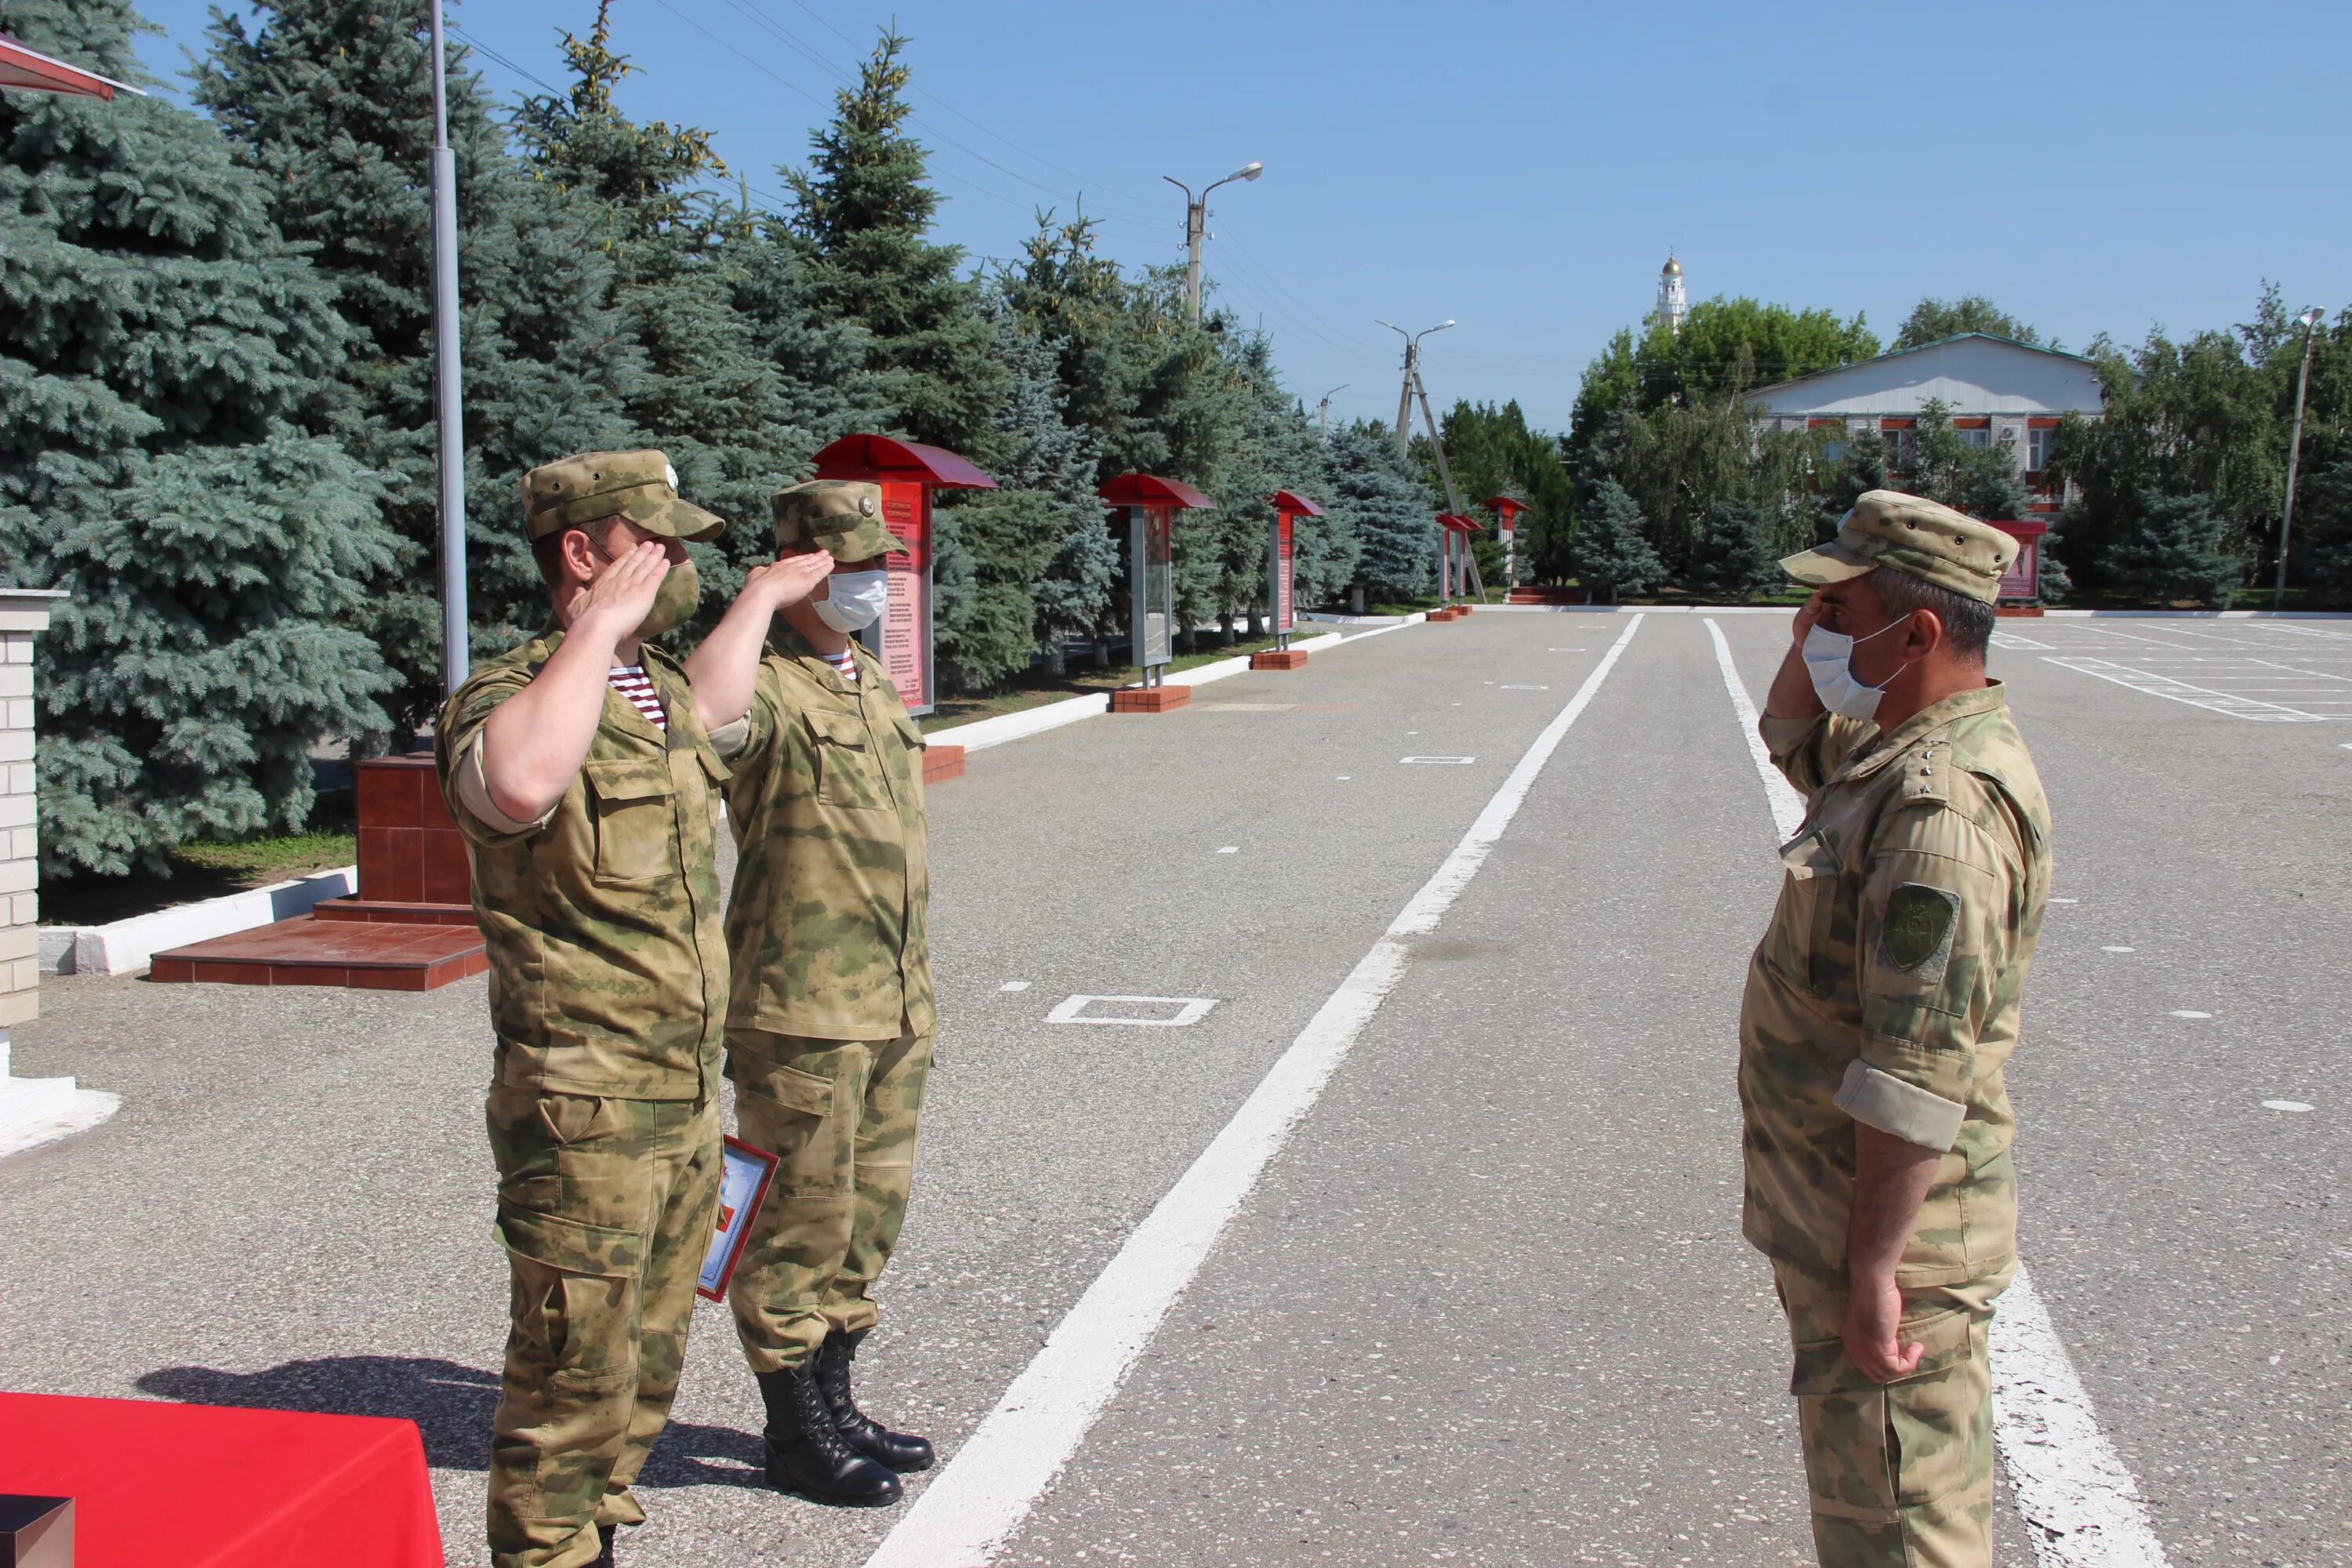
(632, 800)
(848, 775)
(1803, 926)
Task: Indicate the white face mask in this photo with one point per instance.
(1827, 661)
(852, 601)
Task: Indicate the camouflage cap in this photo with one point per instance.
(640, 486)
(843, 516)
(1932, 542)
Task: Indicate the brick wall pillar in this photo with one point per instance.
(24, 615)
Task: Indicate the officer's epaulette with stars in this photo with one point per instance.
(1927, 773)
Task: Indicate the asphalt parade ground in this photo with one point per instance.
(1332, 1155)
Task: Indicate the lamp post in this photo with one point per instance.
(1411, 371)
(448, 384)
(1196, 220)
(2310, 320)
(1323, 410)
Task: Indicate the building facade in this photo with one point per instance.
(2000, 393)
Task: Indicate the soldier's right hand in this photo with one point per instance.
(624, 594)
(1808, 614)
(788, 579)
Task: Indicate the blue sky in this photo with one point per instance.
(1523, 168)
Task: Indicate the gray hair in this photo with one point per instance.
(1968, 623)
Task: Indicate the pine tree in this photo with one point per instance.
(745, 380)
(1612, 550)
(162, 348)
(863, 213)
(1372, 487)
(2320, 555)
(2177, 554)
(1734, 561)
(331, 101)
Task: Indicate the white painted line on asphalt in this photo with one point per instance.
(2019, 644)
(1188, 1010)
(2284, 1105)
(1014, 985)
(1444, 762)
(1230, 849)
(2186, 1013)
(1523, 689)
(2164, 686)
(2081, 1504)
(988, 1488)
(1345, 777)
(2118, 950)
(1788, 806)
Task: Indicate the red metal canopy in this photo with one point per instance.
(37, 72)
(2020, 531)
(1505, 506)
(881, 458)
(1150, 490)
(1459, 523)
(1292, 502)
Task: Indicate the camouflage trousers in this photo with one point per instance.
(1900, 1473)
(841, 1117)
(605, 1207)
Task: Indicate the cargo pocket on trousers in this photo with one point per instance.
(1871, 1448)
(573, 1295)
(791, 1114)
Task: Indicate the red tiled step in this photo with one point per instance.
(369, 954)
(382, 911)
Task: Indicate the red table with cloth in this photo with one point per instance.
(195, 1485)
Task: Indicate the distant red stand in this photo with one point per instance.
(1149, 699)
(198, 1486)
(1278, 658)
(941, 764)
(411, 927)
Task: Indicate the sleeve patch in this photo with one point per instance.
(1918, 928)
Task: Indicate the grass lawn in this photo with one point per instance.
(205, 868)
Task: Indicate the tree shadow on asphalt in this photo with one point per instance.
(451, 1405)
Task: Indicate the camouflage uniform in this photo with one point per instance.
(607, 989)
(829, 1034)
(1886, 991)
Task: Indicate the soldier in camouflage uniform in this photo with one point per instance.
(1880, 1011)
(829, 1035)
(587, 816)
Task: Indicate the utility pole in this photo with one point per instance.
(2310, 320)
(1412, 389)
(1323, 412)
(1196, 225)
(448, 378)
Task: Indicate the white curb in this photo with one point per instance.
(128, 944)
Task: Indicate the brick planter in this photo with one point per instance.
(940, 763)
(1278, 658)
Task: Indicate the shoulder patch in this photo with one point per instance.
(1919, 923)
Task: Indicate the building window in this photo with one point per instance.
(1975, 432)
(1896, 433)
(2039, 444)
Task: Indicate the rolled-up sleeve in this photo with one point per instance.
(463, 786)
(1931, 940)
(1808, 751)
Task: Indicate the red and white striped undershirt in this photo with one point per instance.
(632, 682)
(844, 664)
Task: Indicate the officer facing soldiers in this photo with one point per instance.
(1880, 1011)
(584, 783)
(829, 1035)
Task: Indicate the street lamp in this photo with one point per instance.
(2310, 321)
(1411, 371)
(448, 390)
(1323, 412)
(1196, 219)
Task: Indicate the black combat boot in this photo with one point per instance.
(902, 1451)
(806, 1453)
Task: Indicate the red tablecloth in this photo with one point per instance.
(194, 1485)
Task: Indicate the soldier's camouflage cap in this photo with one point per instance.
(1932, 542)
(640, 486)
(843, 516)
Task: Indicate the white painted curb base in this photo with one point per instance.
(82, 1109)
(126, 945)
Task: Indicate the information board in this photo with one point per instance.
(2024, 578)
(1154, 567)
(902, 638)
(1280, 575)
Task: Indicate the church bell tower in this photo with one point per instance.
(1673, 304)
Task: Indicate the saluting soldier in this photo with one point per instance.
(829, 1034)
(1881, 1009)
(584, 785)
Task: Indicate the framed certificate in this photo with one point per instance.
(743, 1177)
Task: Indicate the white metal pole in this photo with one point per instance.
(2293, 453)
(448, 378)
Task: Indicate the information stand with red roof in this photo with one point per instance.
(1506, 512)
(29, 70)
(1453, 565)
(1150, 504)
(1281, 607)
(2020, 585)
